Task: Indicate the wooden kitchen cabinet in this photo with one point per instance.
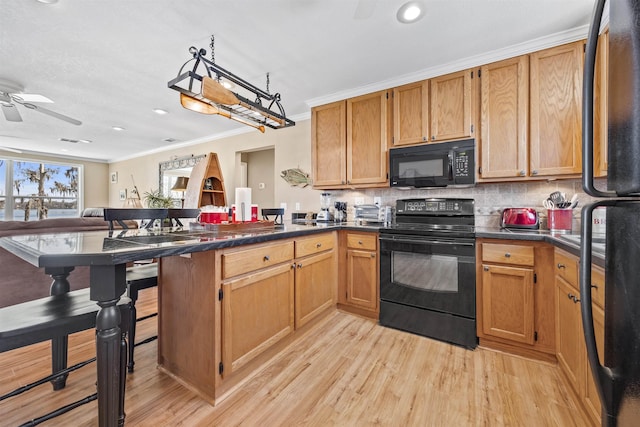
(452, 106)
(411, 113)
(530, 115)
(349, 142)
(360, 289)
(514, 297)
(257, 312)
(328, 144)
(316, 276)
(600, 107)
(571, 350)
(555, 136)
(504, 119)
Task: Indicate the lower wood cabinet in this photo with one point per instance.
(514, 297)
(571, 350)
(359, 290)
(315, 277)
(257, 312)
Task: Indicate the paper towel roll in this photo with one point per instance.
(243, 204)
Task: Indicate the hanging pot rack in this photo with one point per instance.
(214, 98)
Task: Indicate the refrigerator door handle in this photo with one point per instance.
(587, 105)
(603, 376)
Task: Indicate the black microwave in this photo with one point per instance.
(433, 165)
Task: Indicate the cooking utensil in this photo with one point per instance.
(556, 197)
(548, 204)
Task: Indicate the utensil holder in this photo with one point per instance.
(560, 220)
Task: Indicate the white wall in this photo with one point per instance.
(292, 149)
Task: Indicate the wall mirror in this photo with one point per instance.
(171, 170)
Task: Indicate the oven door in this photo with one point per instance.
(431, 273)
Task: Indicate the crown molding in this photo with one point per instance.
(568, 36)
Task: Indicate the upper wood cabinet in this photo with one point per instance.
(367, 136)
(411, 113)
(328, 144)
(600, 107)
(451, 105)
(556, 110)
(504, 118)
(530, 115)
(349, 142)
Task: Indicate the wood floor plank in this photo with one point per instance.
(345, 371)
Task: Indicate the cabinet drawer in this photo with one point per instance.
(566, 266)
(235, 263)
(597, 286)
(508, 254)
(362, 241)
(314, 244)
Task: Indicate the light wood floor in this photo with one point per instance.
(346, 371)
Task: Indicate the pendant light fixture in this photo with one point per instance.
(202, 90)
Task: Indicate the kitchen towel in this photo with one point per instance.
(243, 204)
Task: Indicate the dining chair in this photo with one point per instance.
(138, 277)
(276, 213)
(175, 215)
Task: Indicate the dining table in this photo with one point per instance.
(107, 253)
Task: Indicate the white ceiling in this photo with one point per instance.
(107, 62)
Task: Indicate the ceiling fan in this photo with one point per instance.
(11, 96)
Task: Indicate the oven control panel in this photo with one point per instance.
(435, 206)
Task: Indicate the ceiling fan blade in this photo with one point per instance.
(11, 113)
(53, 114)
(32, 97)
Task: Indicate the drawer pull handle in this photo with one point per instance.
(570, 295)
(486, 268)
(561, 265)
(575, 299)
(300, 265)
(318, 245)
(266, 258)
(507, 255)
(293, 265)
(373, 255)
(359, 242)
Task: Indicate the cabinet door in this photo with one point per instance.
(316, 283)
(367, 135)
(504, 118)
(257, 312)
(328, 144)
(591, 398)
(508, 302)
(600, 107)
(556, 112)
(569, 338)
(411, 113)
(451, 106)
(362, 278)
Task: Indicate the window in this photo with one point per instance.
(32, 190)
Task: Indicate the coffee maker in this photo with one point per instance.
(325, 214)
(340, 213)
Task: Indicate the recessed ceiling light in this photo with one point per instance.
(410, 12)
(48, 1)
(75, 141)
(160, 111)
(118, 128)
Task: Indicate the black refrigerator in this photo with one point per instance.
(618, 379)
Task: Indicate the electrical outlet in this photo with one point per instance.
(261, 186)
(297, 206)
(283, 205)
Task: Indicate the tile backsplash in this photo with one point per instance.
(490, 199)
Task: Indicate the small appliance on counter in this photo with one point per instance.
(367, 213)
(340, 214)
(520, 218)
(325, 214)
